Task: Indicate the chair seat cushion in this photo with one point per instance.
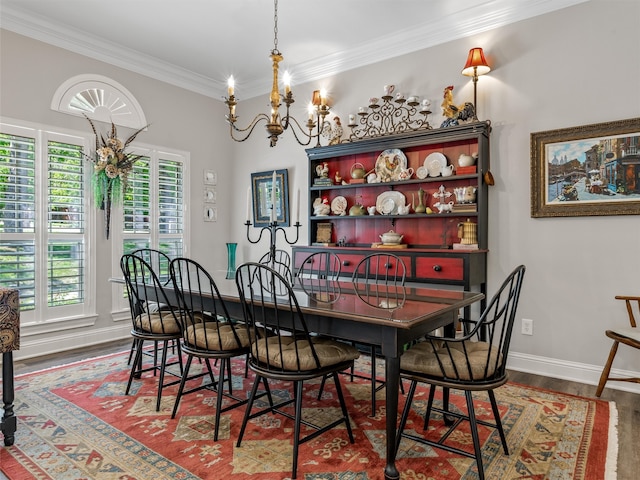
(422, 358)
(159, 322)
(629, 332)
(330, 352)
(216, 336)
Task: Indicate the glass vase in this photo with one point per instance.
(231, 260)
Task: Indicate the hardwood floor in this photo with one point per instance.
(628, 404)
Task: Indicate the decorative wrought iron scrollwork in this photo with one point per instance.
(390, 117)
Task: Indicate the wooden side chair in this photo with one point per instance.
(379, 280)
(318, 276)
(626, 335)
(285, 350)
(208, 333)
(149, 323)
(465, 363)
(159, 262)
(281, 263)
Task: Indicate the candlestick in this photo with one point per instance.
(274, 215)
(248, 204)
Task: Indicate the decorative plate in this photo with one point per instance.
(389, 165)
(387, 206)
(434, 163)
(339, 206)
(384, 206)
(422, 172)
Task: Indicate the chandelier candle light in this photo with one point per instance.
(275, 123)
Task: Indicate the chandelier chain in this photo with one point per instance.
(275, 27)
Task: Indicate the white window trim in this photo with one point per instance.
(75, 315)
(101, 98)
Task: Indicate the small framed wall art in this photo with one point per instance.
(270, 198)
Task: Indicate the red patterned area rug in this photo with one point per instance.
(74, 422)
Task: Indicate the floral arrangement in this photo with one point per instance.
(112, 166)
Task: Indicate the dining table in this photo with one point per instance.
(368, 314)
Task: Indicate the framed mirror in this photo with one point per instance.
(263, 195)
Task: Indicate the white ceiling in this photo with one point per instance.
(197, 44)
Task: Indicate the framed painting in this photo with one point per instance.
(264, 197)
(586, 170)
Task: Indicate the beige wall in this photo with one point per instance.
(573, 67)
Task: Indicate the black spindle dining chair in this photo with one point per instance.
(149, 323)
(465, 363)
(285, 350)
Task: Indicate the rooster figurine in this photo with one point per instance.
(448, 108)
(333, 134)
(455, 114)
(321, 207)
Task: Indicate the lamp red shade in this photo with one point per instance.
(316, 99)
(476, 63)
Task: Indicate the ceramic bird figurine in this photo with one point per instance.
(322, 170)
(333, 134)
(454, 115)
(448, 108)
(321, 207)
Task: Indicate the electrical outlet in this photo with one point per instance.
(527, 326)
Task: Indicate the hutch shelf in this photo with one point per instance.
(430, 245)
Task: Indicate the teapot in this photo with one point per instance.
(357, 210)
(447, 171)
(403, 209)
(357, 171)
(391, 238)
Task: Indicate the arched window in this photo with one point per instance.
(100, 98)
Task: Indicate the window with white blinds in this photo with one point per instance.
(43, 234)
(154, 209)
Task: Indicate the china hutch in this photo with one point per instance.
(430, 246)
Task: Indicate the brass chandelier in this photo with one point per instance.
(275, 123)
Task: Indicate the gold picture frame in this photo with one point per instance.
(587, 170)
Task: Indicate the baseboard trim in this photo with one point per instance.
(70, 340)
(572, 371)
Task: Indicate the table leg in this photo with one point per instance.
(392, 378)
(9, 423)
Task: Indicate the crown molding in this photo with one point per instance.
(80, 42)
(473, 21)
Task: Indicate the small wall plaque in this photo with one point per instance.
(210, 214)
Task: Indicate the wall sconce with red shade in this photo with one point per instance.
(476, 65)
